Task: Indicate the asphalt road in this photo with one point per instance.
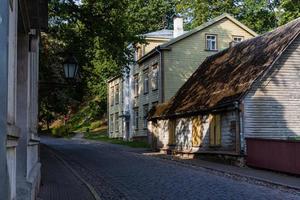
(117, 172)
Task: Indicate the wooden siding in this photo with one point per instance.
(186, 55)
(145, 99)
(184, 133)
(272, 107)
(116, 108)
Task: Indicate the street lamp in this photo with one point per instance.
(70, 67)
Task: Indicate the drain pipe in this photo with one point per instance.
(161, 78)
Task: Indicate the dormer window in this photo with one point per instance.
(211, 42)
(237, 39)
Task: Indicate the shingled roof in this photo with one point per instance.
(226, 76)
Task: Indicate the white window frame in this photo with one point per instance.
(154, 78)
(209, 40)
(117, 94)
(117, 122)
(237, 39)
(146, 81)
(145, 112)
(136, 118)
(112, 96)
(136, 85)
(112, 123)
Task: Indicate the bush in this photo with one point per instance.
(61, 131)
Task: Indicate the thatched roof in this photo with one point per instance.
(226, 76)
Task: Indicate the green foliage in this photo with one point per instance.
(102, 136)
(98, 33)
(288, 10)
(259, 15)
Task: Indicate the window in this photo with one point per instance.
(154, 103)
(111, 123)
(211, 42)
(117, 95)
(237, 39)
(136, 118)
(136, 85)
(154, 80)
(117, 122)
(112, 96)
(140, 51)
(146, 82)
(145, 112)
(215, 130)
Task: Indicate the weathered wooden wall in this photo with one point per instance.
(272, 107)
(115, 108)
(184, 134)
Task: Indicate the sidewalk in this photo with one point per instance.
(256, 175)
(58, 181)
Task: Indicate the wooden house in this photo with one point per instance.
(251, 89)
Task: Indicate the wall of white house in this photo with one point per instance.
(272, 107)
(115, 108)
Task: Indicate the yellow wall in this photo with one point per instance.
(186, 55)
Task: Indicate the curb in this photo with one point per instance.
(77, 175)
(238, 175)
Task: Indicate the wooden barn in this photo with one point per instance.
(249, 90)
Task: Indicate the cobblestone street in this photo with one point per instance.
(117, 172)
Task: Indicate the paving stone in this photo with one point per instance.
(117, 172)
(58, 182)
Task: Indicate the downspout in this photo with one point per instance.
(238, 127)
(161, 83)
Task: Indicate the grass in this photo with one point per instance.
(102, 136)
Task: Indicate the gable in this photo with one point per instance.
(226, 76)
(272, 106)
(225, 29)
(210, 23)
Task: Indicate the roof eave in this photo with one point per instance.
(234, 104)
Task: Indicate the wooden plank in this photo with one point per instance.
(172, 127)
(197, 132)
(218, 129)
(211, 130)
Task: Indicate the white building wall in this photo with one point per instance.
(272, 106)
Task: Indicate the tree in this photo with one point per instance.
(288, 10)
(97, 33)
(258, 15)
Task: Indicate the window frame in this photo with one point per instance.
(155, 103)
(237, 36)
(206, 42)
(136, 118)
(117, 122)
(145, 115)
(117, 94)
(136, 85)
(154, 77)
(112, 96)
(112, 127)
(146, 80)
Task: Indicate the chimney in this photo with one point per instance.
(178, 26)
